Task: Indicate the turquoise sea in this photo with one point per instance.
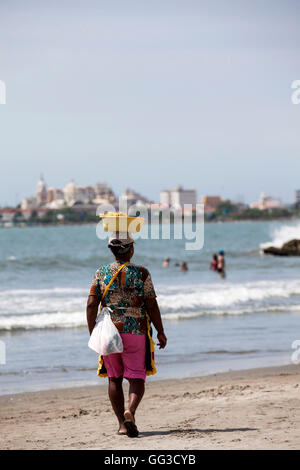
(249, 319)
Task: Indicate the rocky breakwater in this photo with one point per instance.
(291, 248)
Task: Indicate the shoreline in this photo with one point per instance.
(162, 376)
(242, 409)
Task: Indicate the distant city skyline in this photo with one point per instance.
(71, 194)
(149, 95)
(238, 197)
(158, 198)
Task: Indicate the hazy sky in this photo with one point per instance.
(150, 94)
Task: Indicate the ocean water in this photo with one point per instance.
(249, 319)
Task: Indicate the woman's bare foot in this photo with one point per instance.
(122, 430)
(129, 416)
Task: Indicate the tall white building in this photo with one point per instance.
(178, 197)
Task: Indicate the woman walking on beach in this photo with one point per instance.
(131, 297)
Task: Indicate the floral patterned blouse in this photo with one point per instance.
(126, 295)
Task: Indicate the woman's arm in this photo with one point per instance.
(92, 310)
(155, 316)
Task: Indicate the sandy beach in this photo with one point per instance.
(251, 409)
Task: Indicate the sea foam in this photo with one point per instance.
(65, 307)
(282, 235)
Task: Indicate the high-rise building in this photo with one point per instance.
(178, 197)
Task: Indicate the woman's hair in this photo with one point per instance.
(118, 250)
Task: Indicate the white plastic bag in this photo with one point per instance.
(105, 338)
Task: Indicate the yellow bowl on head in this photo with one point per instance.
(120, 222)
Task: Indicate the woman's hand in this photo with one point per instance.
(162, 340)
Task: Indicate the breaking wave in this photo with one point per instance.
(282, 235)
(65, 307)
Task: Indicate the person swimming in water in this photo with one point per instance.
(221, 264)
(214, 263)
(184, 268)
(166, 263)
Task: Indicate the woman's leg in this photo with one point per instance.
(136, 392)
(116, 396)
(135, 372)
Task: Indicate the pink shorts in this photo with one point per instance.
(131, 362)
